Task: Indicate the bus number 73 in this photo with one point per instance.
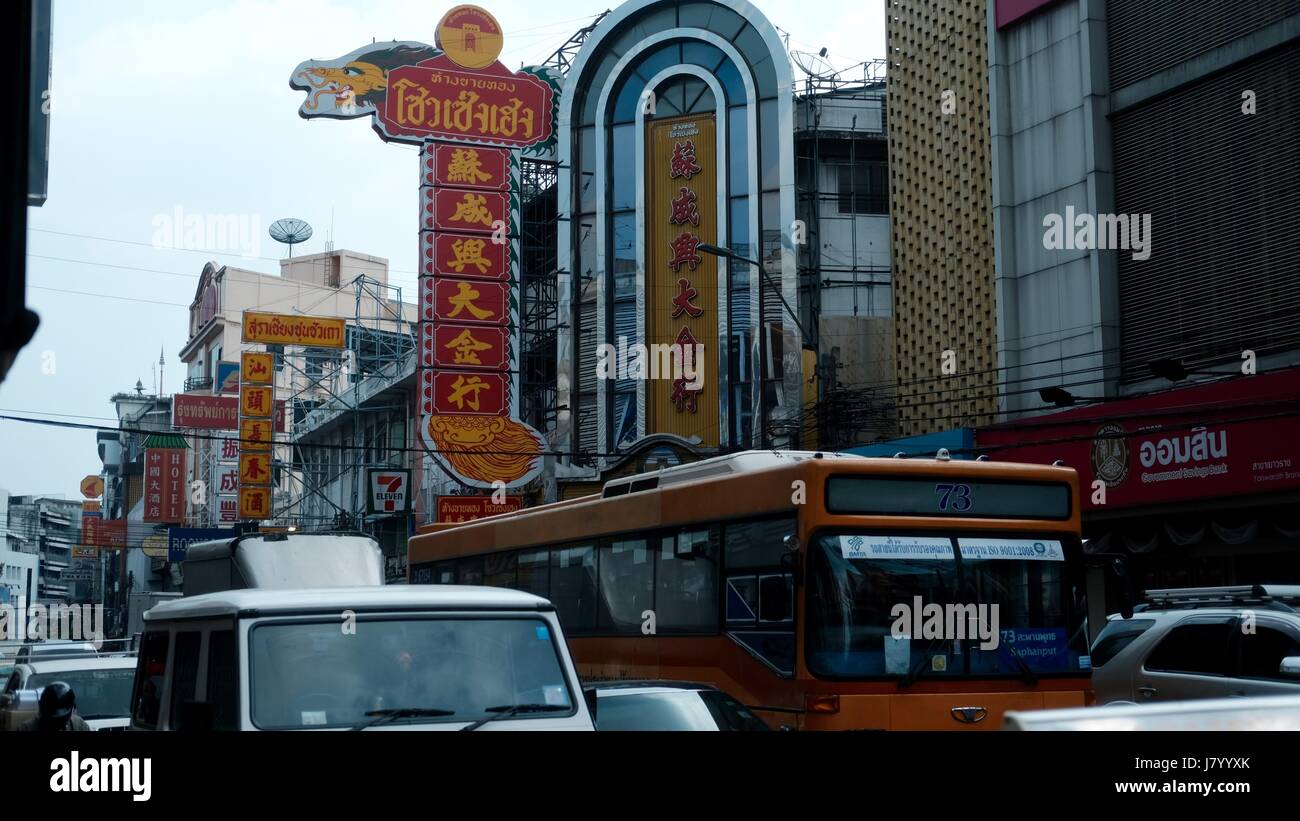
(954, 497)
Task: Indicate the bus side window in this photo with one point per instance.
(185, 673)
(754, 545)
(470, 570)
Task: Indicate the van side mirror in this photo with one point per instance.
(1290, 667)
(196, 717)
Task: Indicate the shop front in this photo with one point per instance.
(1190, 487)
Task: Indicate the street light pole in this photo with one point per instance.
(727, 253)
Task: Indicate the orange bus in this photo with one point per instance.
(820, 589)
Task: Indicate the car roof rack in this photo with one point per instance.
(1267, 596)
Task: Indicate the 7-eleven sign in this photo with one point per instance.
(389, 491)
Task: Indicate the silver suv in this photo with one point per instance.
(1201, 643)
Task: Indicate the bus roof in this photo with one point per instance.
(751, 483)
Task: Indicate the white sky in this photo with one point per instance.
(159, 105)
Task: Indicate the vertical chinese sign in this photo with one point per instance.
(470, 115)
(164, 479)
(256, 406)
(682, 282)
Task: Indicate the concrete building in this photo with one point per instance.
(1172, 127)
(940, 214)
(19, 561)
(47, 528)
(342, 284)
(1146, 197)
(787, 316)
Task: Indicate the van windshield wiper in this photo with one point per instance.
(507, 710)
(385, 716)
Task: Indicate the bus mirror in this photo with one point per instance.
(791, 543)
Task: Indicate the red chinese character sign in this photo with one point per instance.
(164, 485)
(681, 280)
(472, 116)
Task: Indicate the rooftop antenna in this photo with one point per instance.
(329, 243)
(290, 231)
(161, 362)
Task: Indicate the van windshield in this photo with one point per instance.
(309, 675)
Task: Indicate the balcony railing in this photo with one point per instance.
(198, 383)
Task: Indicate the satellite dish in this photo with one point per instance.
(290, 232)
(815, 65)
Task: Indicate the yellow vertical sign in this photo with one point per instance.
(681, 281)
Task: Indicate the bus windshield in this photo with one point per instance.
(311, 675)
(940, 606)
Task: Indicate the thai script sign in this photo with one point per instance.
(285, 329)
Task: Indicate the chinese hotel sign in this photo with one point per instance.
(164, 480)
(256, 409)
(470, 115)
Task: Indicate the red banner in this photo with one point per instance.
(463, 346)
(469, 508)
(436, 100)
(445, 253)
(473, 393)
(467, 167)
(458, 300)
(456, 209)
(214, 412)
(1230, 438)
(164, 485)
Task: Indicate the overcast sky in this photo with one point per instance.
(160, 105)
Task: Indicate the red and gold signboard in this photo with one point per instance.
(463, 301)
(456, 209)
(681, 281)
(446, 164)
(466, 346)
(465, 109)
(254, 469)
(255, 503)
(255, 401)
(287, 329)
(471, 393)
(438, 100)
(257, 368)
(464, 255)
(91, 507)
(164, 485)
(469, 508)
(255, 434)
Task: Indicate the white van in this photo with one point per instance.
(350, 658)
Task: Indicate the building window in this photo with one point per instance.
(863, 188)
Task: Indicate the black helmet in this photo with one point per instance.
(57, 701)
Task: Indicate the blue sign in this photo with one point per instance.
(179, 539)
(227, 378)
(1045, 650)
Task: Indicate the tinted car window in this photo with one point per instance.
(1201, 647)
(677, 710)
(223, 682)
(1262, 653)
(731, 714)
(1115, 637)
(149, 678)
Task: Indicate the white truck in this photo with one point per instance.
(298, 632)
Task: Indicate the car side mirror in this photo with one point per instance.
(196, 716)
(1290, 667)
